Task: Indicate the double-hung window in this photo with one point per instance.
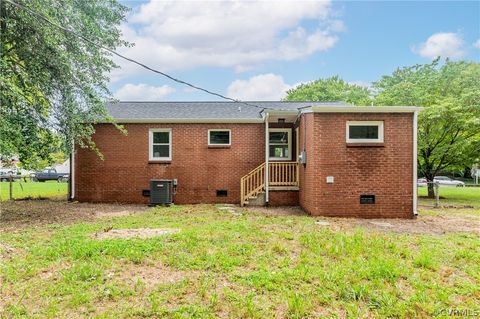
(364, 132)
(160, 144)
(219, 137)
(280, 144)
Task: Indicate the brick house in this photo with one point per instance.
(331, 159)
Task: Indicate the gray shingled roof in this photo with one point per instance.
(200, 110)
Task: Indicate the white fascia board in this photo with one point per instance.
(282, 112)
(180, 120)
(364, 109)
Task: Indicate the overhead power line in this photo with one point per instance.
(41, 16)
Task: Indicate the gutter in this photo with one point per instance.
(363, 109)
(282, 112)
(185, 120)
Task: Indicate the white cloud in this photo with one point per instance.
(143, 92)
(337, 26)
(262, 87)
(444, 44)
(477, 44)
(240, 34)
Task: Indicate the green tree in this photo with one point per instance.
(330, 90)
(449, 125)
(53, 84)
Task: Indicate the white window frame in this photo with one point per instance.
(220, 130)
(150, 144)
(289, 132)
(297, 143)
(379, 124)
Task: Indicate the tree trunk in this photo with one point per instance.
(467, 172)
(431, 190)
(429, 176)
(428, 171)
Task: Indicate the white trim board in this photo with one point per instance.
(289, 145)
(150, 144)
(184, 120)
(220, 130)
(379, 124)
(363, 109)
(415, 140)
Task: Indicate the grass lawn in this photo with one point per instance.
(33, 190)
(220, 264)
(453, 196)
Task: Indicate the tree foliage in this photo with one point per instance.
(329, 90)
(449, 125)
(52, 84)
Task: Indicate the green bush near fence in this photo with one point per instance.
(33, 190)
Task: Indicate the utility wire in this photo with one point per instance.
(41, 16)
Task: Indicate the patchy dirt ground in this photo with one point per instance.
(278, 211)
(150, 275)
(439, 224)
(222, 264)
(434, 225)
(19, 214)
(25, 213)
(135, 233)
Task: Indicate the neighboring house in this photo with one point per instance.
(63, 167)
(354, 161)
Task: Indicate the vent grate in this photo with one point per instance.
(367, 199)
(222, 193)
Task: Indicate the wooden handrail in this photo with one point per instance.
(280, 174)
(283, 174)
(252, 183)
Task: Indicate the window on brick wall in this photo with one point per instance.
(160, 144)
(219, 137)
(280, 144)
(364, 132)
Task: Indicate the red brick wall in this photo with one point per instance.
(307, 172)
(200, 170)
(283, 198)
(384, 171)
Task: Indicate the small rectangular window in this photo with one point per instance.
(280, 144)
(220, 137)
(160, 145)
(364, 132)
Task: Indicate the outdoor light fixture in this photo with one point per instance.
(281, 121)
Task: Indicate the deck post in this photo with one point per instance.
(267, 165)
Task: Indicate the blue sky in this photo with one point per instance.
(257, 50)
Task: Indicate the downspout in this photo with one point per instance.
(415, 127)
(267, 176)
(72, 174)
